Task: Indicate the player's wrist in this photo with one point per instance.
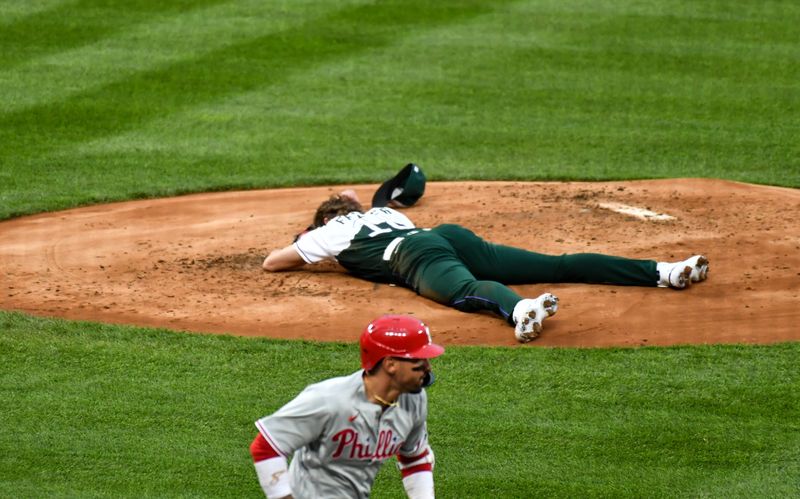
(419, 485)
(274, 477)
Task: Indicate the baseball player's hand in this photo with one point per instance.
(350, 194)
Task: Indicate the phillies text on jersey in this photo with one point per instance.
(337, 439)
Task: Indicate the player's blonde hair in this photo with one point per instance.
(335, 205)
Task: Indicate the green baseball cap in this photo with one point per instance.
(403, 190)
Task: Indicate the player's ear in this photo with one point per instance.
(390, 365)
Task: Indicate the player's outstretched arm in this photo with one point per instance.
(283, 259)
(417, 474)
(271, 469)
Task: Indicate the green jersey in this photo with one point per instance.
(361, 242)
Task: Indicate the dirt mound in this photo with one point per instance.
(194, 262)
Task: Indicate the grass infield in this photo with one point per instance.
(108, 101)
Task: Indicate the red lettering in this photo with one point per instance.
(383, 439)
(384, 447)
(385, 442)
(347, 437)
(360, 448)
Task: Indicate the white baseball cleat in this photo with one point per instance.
(529, 314)
(699, 265)
(680, 275)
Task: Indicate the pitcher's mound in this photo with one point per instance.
(194, 262)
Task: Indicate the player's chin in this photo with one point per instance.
(418, 385)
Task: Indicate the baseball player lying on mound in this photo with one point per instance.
(340, 431)
(451, 265)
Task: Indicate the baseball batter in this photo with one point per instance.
(339, 432)
(455, 267)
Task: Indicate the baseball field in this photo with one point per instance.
(198, 135)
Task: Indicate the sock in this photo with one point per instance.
(663, 269)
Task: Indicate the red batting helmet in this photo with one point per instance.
(396, 336)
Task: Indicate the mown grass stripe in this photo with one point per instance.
(14, 11)
(236, 68)
(518, 91)
(83, 22)
(153, 43)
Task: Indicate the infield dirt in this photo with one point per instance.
(193, 263)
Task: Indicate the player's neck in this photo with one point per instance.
(379, 391)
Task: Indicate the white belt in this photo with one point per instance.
(387, 253)
(392, 246)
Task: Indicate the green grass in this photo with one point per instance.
(103, 102)
(110, 411)
(108, 101)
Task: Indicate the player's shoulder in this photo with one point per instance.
(353, 215)
(382, 210)
(335, 389)
(389, 215)
(338, 381)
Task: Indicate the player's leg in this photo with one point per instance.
(448, 281)
(512, 265)
(428, 264)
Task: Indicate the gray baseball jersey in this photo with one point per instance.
(339, 439)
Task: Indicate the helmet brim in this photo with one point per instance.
(428, 351)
